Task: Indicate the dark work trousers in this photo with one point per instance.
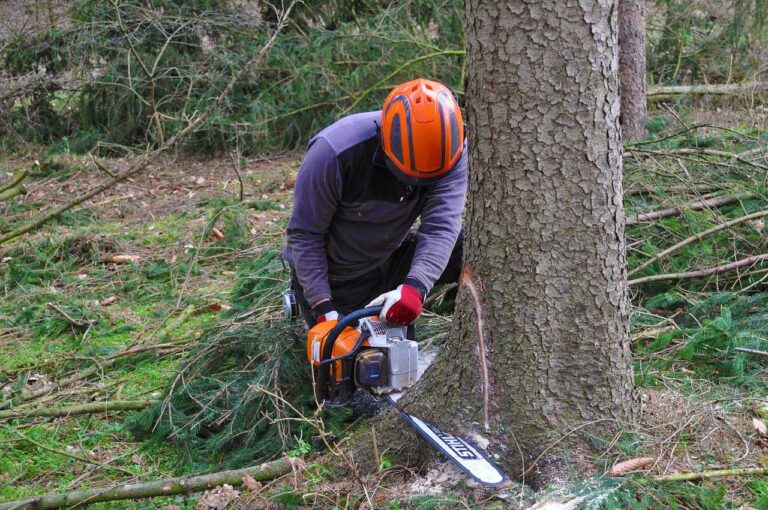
(351, 295)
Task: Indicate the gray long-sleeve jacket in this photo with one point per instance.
(350, 213)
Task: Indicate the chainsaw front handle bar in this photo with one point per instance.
(345, 321)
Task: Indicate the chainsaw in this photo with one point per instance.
(362, 352)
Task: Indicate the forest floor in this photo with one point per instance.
(128, 281)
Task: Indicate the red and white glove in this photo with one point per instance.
(400, 306)
(325, 311)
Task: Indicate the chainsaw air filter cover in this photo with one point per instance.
(388, 362)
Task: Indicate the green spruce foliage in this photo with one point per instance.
(230, 403)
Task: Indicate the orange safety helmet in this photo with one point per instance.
(422, 132)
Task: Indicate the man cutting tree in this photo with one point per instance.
(362, 185)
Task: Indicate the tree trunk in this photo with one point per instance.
(545, 273)
(632, 67)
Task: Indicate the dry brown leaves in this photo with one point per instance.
(250, 484)
(217, 499)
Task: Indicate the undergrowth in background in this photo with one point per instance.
(700, 41)
(140, 71)
(131, 74)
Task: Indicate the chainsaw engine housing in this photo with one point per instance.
(387, 361)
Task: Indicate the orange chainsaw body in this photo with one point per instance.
(343, 345)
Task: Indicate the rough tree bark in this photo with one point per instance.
(632, 67)
(545, 248)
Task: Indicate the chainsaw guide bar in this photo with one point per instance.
(473, 461)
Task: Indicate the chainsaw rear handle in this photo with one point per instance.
(324, 370)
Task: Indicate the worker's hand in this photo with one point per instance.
(325, 311)
(401, 306)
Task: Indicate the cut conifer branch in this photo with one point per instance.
(89, 408)
(143, 162)
(708, 203)
(701, 273)
(696, 237)
(165, 487)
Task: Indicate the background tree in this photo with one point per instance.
(632, 67)
(544, 279)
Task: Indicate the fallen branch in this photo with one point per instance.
(144, 161)
(80, 324)
(688, 151)
(166, 487)
(15, 180)
(12, 192)
(696, 237)
(706, 475)
(701, 272)
(693, 206)
(699, 188)
(89, 408)
(751, 351)
(730, 89)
